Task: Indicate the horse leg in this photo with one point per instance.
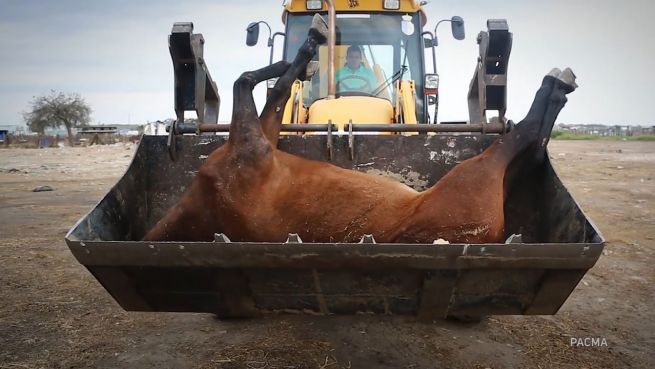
(245, 125)
(564, 84)
(193, 217)
(534, 130)
(273, 111)
(456, 209)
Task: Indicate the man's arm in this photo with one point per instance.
(337, 78)
(372, 79)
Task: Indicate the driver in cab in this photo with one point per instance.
(354, 76)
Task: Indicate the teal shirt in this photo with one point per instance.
(355, 84)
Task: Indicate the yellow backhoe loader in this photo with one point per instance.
(384, 122)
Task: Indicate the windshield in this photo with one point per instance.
(371, 50)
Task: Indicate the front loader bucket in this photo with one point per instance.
(531, 274)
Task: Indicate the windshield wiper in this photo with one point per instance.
(396, 76)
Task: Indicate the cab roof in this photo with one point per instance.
(406, 6)
(355, 5)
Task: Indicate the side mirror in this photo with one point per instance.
(252, 34)
(457, 26)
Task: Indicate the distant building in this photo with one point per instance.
(603, 130)
(128, 129)
(117, 129)
(157, 128)
(97, 129)
(13, 128)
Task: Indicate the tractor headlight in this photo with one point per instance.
(391, 4)
(314, 4)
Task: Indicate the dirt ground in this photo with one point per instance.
(54, 314)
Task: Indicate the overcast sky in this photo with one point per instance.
(115, 54)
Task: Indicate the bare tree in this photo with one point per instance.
(57, 109)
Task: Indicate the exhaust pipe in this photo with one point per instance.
(332, 36)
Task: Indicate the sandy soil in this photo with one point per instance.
(54, 314)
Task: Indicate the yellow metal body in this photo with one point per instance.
(407, 102)
(355, 109)
(406, 6)
(294, 111)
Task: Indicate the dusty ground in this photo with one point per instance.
(53, 313)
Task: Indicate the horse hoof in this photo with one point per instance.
(319, 29)
(568, 77)
(312, 68)
(555, 72)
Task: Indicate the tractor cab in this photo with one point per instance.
(390, 60)
(372, 71)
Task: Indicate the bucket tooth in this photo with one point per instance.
(367, 238)
(515, 238)
(221, 237)
(293, 238)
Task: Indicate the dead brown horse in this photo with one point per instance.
(251, 191)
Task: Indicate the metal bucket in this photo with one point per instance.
(531, 275)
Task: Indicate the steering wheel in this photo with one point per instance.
(347, 89)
